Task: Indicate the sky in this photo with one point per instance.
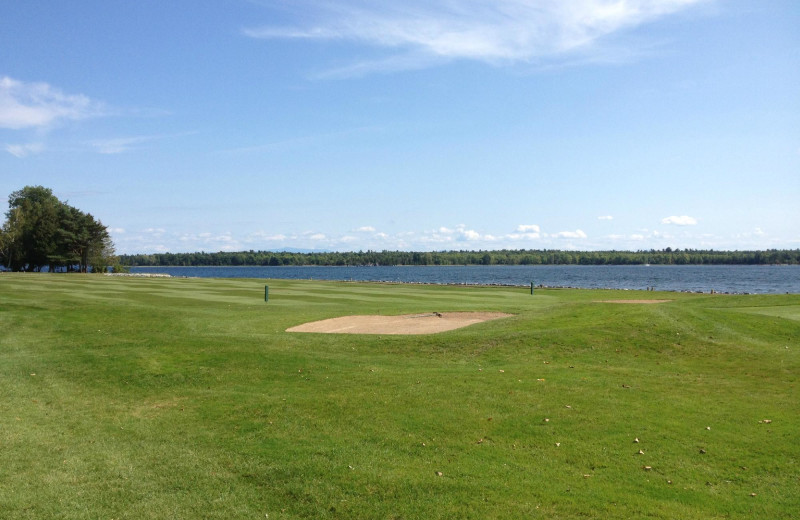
(421, 125)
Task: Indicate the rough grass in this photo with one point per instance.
(185, 398)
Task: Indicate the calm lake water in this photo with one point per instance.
(758, 279)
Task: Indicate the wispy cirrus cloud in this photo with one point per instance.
(40, 105)
(24, 150)
(39, 108)
(420, 33)
(117, 145)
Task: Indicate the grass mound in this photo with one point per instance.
(186, 398)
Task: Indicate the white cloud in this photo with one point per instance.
(211, 242)
(605, 217)
(160, 240)
(422, 32)
(523, 236)
(528, 228)
(39, 105)
(277, 238)
(468, 234)
(366, 229)
(458, 237)
(444, 235)
(683, 220)
(460, 233)
(756, 236)
(24, 150)
(570, 234)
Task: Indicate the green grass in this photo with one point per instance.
(184, 398)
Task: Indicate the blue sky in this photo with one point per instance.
(417, 125)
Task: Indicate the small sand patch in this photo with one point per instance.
(633, 301)
(429, 323)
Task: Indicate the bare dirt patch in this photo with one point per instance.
(429, 323)
(643, 302)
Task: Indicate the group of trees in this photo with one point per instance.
(502, 257)
(41, 231)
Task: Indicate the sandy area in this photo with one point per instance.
(429, 323)
(633, 301)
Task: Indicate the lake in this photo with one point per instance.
(743, 279)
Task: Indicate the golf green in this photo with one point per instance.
(124, 397)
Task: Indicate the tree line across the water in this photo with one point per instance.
(497, 257)
(41, 232)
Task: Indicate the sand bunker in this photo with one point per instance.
(633, 301)
(429, 323)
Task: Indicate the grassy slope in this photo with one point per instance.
(184, 398)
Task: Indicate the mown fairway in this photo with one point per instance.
(184, 398)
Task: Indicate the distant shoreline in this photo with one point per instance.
(526, 257)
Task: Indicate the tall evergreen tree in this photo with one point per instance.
(33, 222)
(40, 231)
